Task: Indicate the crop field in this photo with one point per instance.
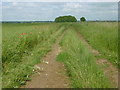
(25, 44)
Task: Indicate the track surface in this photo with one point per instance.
(50, 73)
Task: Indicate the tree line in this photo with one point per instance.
(68, 19)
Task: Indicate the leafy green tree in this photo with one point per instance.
(66, 19)
(82, 19)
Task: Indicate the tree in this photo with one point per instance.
(66, 19)
(82, 19)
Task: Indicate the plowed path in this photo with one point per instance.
(50, 73)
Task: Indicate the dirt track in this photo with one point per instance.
(50, 73)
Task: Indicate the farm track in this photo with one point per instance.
(50, 73)
(58, 29)
(109, 70)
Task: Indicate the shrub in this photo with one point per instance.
(66, 19)
(82, 19)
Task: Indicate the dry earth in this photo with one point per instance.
(50, 73)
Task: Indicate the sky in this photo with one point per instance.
(48, 11)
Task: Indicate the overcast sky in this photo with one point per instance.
(48, 11)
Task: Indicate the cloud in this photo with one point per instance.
(20, 8)
(71, 6)
(61, 1)
(31, 4)
(14, 4)
(50, 10)
(6, 7)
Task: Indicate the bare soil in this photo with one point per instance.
(50, 73)
(109, 70)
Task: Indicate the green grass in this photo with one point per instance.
(22, 52)
(15, 44)
(103, 36)
(80, 63)
(24, 45)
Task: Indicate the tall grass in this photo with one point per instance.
(23, 46)
(103, 36)
(80, 63)
(19, 39)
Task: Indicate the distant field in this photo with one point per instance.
(24, 44)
